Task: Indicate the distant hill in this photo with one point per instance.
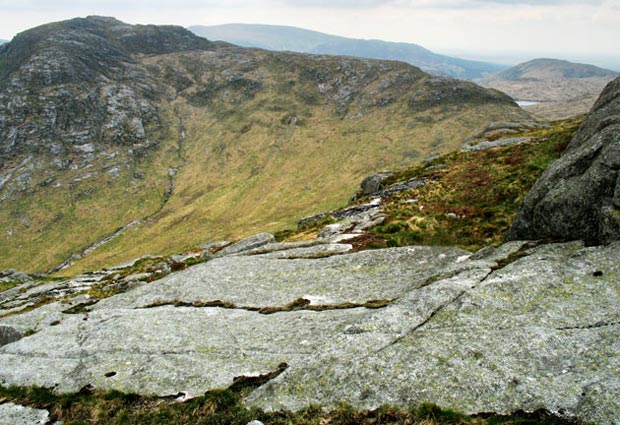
(280, 38)
(3, 41)
(564, 88)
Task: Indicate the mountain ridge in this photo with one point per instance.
(211, 141)
(274, 37)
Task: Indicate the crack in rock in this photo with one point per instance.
(433, 313)
(297, 305)
(248, 383)
(599, 324)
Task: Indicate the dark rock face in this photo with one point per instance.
(373, 184)
(578, 197)
(9, 335)
(75, 82)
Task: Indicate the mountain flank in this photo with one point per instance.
(119, 141)
(265, 330)
(561, 88)
(279, 38)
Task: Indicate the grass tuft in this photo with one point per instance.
(226, 407)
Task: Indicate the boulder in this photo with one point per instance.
(578, 196)
(374, 183)
(247, 244)
(9, 335)
(15, 414)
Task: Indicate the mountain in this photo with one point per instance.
(563, 88)
(118, 141)
(279, 38)
(3, 41)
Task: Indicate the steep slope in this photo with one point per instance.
(175, 140)
(274, 37)
(564, 88)
(80, 122)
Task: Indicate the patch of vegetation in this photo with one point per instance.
(471, 198)
(5, 286)
(226, 407)
(81, 307)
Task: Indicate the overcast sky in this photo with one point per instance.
(563, 28)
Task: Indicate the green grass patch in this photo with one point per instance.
(5, 286)
(226, 407)
(471, 198)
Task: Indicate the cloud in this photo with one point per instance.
(119, 4)
(340, 4)
(430, 4)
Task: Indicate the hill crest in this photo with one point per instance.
(280, 38)
(561, 88)
(545, 68)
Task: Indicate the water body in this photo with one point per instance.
(526, 102)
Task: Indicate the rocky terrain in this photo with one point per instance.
(150, 140)
(524, 326)
(560, 88)
(479, 333)
(352, 307)
(279, 38)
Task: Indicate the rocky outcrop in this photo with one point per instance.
(510, 328)
(247, 244)
(15, 414)
(69, 84)
(578, 196)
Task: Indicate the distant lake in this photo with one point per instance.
(526, 102)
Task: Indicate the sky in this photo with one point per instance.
(497, 30)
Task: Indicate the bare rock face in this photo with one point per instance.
(21, 415)
(68, 86)
(578, 196)
(479, 333)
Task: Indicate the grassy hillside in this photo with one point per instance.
(203, 144)
(468, 200)
(50, 218)
(286, 151)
